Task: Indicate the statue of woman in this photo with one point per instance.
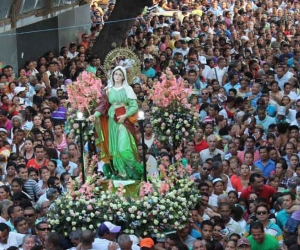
(115, 127)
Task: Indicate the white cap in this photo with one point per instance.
(202, 59)
(245, 38)
(19, 89)
(281, 110)
(175, 33)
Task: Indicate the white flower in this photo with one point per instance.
(91, 227)
(88, 219)
(165, 221)
(83, 212)
(155, 231)
(73, 223)
(132, 216)
(162, 207)
(118, 213)
(155, 222)
(74, 228)
(68, 219)
(154, 212)
(144, 221)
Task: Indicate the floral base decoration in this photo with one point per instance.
(161, 205)
(174, 120)
(83, 95)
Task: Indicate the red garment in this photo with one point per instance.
(32, 163)
(266, 193)
(201, 146)
(5, 107)
(236, 183)
(229, 113)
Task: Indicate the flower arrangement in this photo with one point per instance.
(160, 206)
(173, 116)
(83, 95)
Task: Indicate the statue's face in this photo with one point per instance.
(118, 76)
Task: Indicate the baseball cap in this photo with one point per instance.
(202, 59)
(293, 182)
(108, 227)
(19, 89)
(37, 87)
(243, 241)
(147, 242)
(281, 110)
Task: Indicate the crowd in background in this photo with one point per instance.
(242, 60)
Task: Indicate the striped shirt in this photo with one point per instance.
(32, 188)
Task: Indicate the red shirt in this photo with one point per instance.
(32, 163)
(201, 146)
(266, 193)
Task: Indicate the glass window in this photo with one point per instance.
(5, 8)
(30, 5)
(57, 3)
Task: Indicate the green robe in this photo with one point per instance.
(122, 146)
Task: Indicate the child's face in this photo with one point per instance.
(192, 64)
(271, 141)
(222, 91)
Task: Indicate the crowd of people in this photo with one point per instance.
(241, 58)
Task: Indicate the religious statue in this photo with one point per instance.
(114, 123)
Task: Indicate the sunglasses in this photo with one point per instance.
(207, 169)
(28, 215)
(261, 212)
(44, 229)
(45, 113)
(204, 93)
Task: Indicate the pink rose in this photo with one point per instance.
(89, 207)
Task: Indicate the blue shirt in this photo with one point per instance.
(282, 218)
(266, 122)
(271, 110)
(149, 73)
(267, 169)
(227, 33)
(290, 62)
(253, 102)
(228, 86)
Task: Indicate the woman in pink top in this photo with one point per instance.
(60, 138)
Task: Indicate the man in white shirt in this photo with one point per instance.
(280, 77)
(107, 235)
(219, 71)
(9, 239)
(212, 150)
